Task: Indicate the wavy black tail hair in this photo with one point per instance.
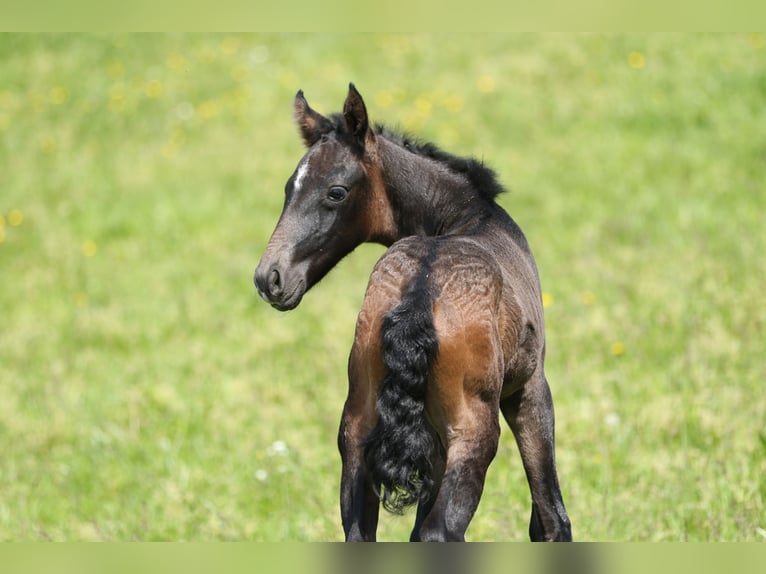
(398, 451)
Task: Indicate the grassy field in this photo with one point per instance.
(148, 394)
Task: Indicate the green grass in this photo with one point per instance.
(146, 389)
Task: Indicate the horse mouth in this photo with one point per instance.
(290, 300)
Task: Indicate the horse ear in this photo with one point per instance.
(311, 124)
(355, 116)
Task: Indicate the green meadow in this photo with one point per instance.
(147, 393)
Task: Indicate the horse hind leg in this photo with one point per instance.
(359, 504)
(471, 449)
(529, 413)
(438, 461)
(464, 412)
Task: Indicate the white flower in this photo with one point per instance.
(261, 475)
(259, 55)
(278, 447)
(184, 111)
(612, 420)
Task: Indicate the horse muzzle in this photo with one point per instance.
(280, 288)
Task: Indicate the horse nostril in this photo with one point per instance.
(275, 282)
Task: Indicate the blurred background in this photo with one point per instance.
(149, 394)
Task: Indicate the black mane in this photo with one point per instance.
(483, 179)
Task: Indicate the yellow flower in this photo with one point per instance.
(175, 61)
(636, 60)
(153, 89)
(208, 110)
(486, 84)
(230, 45)
(15, 217)
(89, 248)
(618, 348)
(547, 300)
(58, 96)
(384, 99)
(117, 98)
(588, 298)
(116, 70)
(423, 105)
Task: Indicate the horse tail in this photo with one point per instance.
(399, 449)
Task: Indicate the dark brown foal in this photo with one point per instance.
(450, 331)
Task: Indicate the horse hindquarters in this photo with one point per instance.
(426, 367)
(462, 404)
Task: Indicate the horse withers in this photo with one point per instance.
(451, 327)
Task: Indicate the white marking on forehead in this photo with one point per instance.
(301, 173)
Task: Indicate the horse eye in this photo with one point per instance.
(337, 193)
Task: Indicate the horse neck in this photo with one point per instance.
(425, 197)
